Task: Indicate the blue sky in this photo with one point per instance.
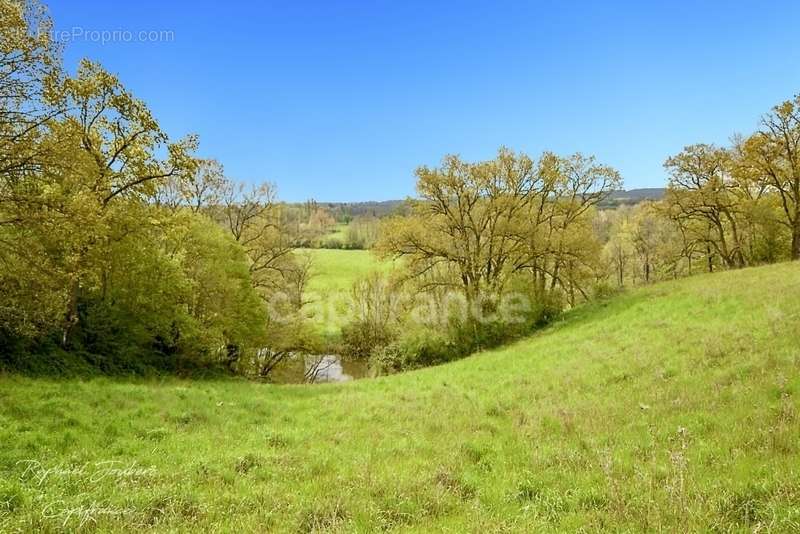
(343, 100)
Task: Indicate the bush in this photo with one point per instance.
(332, 243)
(605, 290)
(418, 348)
(391, 359)
(376, 308)
(361, 338)
(433, 345)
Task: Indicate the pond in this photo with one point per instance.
(318, 369)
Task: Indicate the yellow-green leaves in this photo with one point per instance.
(478, 225)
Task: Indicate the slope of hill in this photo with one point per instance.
(673, 407)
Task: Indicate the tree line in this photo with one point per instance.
(539, 231)
(725, 207)
(117, 242)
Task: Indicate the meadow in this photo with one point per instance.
(672, 407)
(333, 273)
(339, 233)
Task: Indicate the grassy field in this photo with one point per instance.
(336, 270)
(674, 407)
(333, 274)
(339, 233)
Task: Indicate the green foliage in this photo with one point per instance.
(362, 232)
(116, 243)
(398, 331)
(375, 311)
(224, 307)
(480, 226)
(169, 298)
(120, 247)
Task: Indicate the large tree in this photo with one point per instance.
(706, 200)
(773, 157)
(463, 233)
(95, 161)
(477, 225)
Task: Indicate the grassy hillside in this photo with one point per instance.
(675, 406)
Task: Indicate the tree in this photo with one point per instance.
(773, 157)
(362, 232)
(619, 248)
(478, 225)
(647, 236)
(375, 308)
(463, 232)
(31, 71)
(31, 293)
(97, 161)
(226, 309)
(113, 140)
(562, 245)
(254, 219)
(116, 239)
(705, 199)
(202, 191)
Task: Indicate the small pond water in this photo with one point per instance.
(317, 369)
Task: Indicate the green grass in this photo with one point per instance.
(337, 270)
(674, 407)
(339, 233)
(333, 274)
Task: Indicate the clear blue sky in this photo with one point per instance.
(341, 101)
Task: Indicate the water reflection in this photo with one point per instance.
(317, 369)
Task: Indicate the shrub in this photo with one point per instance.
(361, 338)
(604, 290)
(424, 346)
(375, 306)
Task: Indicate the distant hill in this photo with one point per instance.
(374, 208)
(634, 196)
(343, 211)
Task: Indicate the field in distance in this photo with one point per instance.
(333, 273)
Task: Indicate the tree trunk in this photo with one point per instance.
(71, 319)
(554, 281)
(571, 284)
(710, 259)
(796, 239)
